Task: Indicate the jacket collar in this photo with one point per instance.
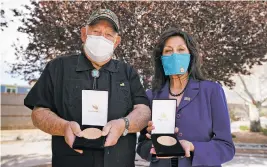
(190, 93)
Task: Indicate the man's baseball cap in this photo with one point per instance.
(104, 14)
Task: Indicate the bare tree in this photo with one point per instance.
(252, 89)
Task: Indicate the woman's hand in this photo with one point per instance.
(149, 128)
(187, 145)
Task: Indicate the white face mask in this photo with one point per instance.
(98, 48)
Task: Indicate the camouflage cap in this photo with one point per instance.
(104, 14)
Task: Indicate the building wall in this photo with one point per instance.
(14, 115)
(23, 90)
(3, 88)
(19, 89)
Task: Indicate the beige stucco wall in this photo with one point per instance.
(14, 115)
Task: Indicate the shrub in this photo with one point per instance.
(264, 131)
(233, 136)
(243, 128)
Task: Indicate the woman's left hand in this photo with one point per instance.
(187, 146)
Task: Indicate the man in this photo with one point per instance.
(56, 98)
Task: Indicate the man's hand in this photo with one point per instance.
(113, 130)
(72, 129)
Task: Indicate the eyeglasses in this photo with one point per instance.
(108, 35)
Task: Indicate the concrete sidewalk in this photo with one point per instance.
(38, 154)
(32, 148)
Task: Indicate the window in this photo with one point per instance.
(11, 90)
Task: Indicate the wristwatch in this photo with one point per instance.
(126, 120)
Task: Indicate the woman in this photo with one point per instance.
(202, 116)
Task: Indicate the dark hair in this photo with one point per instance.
(160, 78)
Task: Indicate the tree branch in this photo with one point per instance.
(264, 100)
(245, 99)
(246, 88)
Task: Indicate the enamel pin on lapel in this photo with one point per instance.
(187, 98)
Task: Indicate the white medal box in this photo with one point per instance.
(163, 116)
(94, 107)
(163, 136)
(94, 117)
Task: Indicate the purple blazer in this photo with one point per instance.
(202, 118)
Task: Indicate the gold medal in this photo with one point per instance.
(91, 133)
(166, 140)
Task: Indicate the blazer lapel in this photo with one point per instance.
(164, 92)
(190, 93)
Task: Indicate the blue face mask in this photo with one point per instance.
(175, 63)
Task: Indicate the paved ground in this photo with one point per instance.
(33, 154)
(32, 148)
